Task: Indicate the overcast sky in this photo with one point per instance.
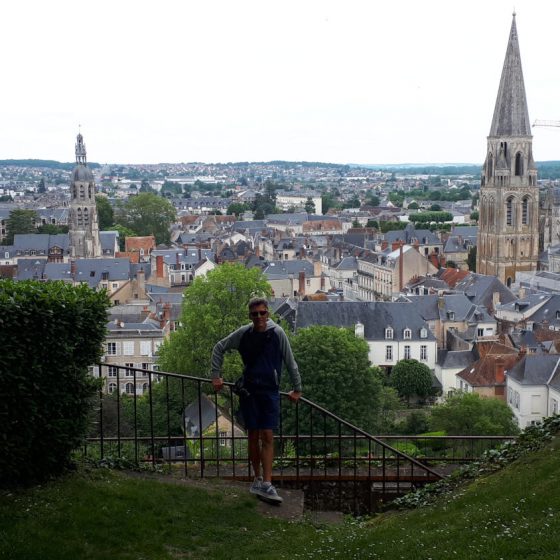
(353, 81)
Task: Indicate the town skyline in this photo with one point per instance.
(358, 84)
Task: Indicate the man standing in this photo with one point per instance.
(264, 347)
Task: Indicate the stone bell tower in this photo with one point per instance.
(83, 228)
(508, 231)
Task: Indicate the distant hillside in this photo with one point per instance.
(546, 169)
(48, 163)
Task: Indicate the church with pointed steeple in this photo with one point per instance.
(508, 232)
(83, 223)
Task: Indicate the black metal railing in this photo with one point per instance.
(178, 421)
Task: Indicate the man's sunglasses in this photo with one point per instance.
(255, 314)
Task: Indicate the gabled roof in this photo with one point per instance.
(91, 271)
(456, 307)
(483, 372)
(376, 316)
(448, 359)
(480, 289)
(534, 369)
(292, 266)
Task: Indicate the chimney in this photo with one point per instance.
(384, 245)
(495, 299)
(500, 372)
(141, 283)
(302, 252)
(159, 266)
(73, 268)
(199, 253)
(401, 267)
(317, 270)
(395, 245)
(522, 351)
(178, 260)
(301, 283)
(442, 261)
(359, 330)
(522, 292)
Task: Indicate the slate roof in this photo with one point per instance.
(29, 269)
(548, 311)
(293, 266)
(374, 315)
(40, 242)
(480, 289)
(348, 263)
(90, 270)
(534, 369)
(108, 240)
(449, 359)
(192, 416)
(433, 307)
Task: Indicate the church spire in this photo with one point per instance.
(80, 150)
(511, 116)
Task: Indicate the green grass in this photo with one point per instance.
(513, 514)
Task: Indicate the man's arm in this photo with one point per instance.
(230, 342)
(289, 361)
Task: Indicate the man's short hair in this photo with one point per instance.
(254, 301)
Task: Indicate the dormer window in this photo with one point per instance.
(407, 334)
(388, 333)
(451, 315)
(558, 314)
(423, 332)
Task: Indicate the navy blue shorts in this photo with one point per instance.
(261, 410)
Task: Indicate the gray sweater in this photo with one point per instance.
(233, 341)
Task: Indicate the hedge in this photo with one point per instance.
(51, 332)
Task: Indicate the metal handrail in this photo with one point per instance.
(323, 448)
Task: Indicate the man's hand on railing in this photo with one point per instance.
(217, 383)
(294, 395)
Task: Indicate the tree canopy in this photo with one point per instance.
(470, 414)
(104, 213)
(213, 306)
(148, 214)
(336, 374)
(411, 377)
(20, 220)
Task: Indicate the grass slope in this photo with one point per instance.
(513, 514)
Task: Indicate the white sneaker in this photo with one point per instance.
(269, 493)
(256, 486)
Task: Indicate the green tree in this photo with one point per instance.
(336, 374)
(354, 202)
(411, 377)
(474, 216)
(413, 206)
(41, 186)
(372, 224)
(20, 220)
(469, 414)
(105, 213)
(373, 200)
(471, 259)
(124, 232)
(328, 201)
(435, 208)
(213, 306)
(237, 208)
(52, 229)
(451, 264)
(309, 206)
(148, 214)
